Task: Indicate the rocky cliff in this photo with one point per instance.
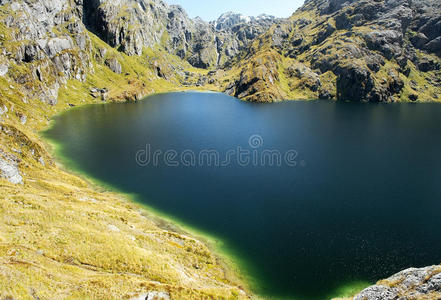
(131, 25)
(363, 50)
(43, 44)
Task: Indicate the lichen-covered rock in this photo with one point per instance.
(54, 46)
(423, 283)
(10, 172)
(3, 70)
(388, 42)
(114, 65)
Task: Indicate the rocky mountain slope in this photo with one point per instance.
(131, 25)
(237, 31)
(358, 50)
(61, 236)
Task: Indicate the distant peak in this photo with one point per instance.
(230, 19)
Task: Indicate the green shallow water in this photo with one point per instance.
(354, 199)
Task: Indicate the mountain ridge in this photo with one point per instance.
(230, 19)
(129, 24)
(367, 51)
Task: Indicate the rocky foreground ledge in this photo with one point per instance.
(410, 284)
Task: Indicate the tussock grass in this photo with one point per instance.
(62, 237)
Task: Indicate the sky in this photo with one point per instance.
(210, 10)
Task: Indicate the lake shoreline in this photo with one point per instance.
(230, 263)
(169, 222)
(162, 220)
(45, 177)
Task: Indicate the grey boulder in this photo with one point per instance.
(10, 172)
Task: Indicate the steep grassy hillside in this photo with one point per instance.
(60, 236)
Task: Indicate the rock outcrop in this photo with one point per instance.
(153, 296)
(423, 283)
(114, 65)
(10, 172)
(50, 58)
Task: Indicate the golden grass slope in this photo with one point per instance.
(64, 238)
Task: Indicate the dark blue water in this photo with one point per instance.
(358, 199)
